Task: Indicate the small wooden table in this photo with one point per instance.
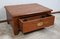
(14, 12)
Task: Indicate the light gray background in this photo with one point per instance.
(53, 4)
(52, 32)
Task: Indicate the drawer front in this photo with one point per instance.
(37, 24)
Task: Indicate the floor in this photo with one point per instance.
(52, 32)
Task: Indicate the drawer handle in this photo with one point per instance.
(40, 24)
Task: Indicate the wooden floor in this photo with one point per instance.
(52, 32)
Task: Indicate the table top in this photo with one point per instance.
(25, 9)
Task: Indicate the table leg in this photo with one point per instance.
(15, 25)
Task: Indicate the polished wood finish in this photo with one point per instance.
(25, 9)
(16, 12)
(36, 22)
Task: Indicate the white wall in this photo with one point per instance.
(53, 4)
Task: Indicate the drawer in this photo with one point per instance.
(36, 22)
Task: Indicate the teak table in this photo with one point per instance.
(15, 12)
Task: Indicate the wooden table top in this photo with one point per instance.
(25, 9)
